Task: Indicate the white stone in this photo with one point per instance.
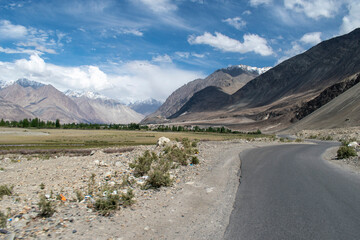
(162, 141)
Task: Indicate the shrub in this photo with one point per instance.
(91, 184)
(177, 155)
(106, 205)
(3, 220)
(143, 164)
(47, 209)
(346, 152)
(42, 186)
(298, 140)
(127, 198)
(159, 176)
(79, 195)
(195, 160)
(5, 190)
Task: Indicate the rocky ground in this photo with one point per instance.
(349, 134)
(196, 206)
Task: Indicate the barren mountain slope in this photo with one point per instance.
(45, 102)
(273, 97)
(10, 111)
(107, 111)
(228, 79)
(342, 111)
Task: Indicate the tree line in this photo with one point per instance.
(38, 123)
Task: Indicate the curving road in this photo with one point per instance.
(289, 192)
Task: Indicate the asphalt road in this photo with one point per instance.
(289, 192)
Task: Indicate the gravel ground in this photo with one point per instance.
(196, 206)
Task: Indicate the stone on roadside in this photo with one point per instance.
(162, 141)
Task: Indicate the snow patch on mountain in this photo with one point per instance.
(88, 94)
(250, 69)
(24, 82)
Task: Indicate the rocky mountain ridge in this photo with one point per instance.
(228, 80)
(29, 99)
(271, 99)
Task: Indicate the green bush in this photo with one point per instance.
(298, 140)
(346, 152)
(79, 195)
(194, 160)
(47, 209)
(177, 155)
(127, 198)
(143, 164)
(159, 175)
(5, 190)
(106, 205)
(3, 220)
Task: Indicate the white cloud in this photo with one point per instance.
(183, 54)
(256, 3)
(352, 20)
(311, 38)
(247, 12)
(160, 6)
(252, 43)
(164, 59)
(295, 50)
(143, 79)
(134, 80)
(314, 8)
(35, 68)
(236, 22)
(11, 31)
(198, 55)
(31, 40)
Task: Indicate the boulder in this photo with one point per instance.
(162, 141)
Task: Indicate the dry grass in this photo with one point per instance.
(52, 139)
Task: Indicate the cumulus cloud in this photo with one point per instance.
(352, 20)
(35, 68)
(236, 22)
(252, 43)
(256, 3)
(134, 80)
(314, 8)
(311, 38)
(11, 31)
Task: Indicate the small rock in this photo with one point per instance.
(74, 231)
(162, 141)
(92, 152)
(147, 228)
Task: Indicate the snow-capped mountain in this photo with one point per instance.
(28, 83)
(88, 94)
(146, 107)
(250, 69)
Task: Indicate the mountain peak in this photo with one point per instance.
(88, 94)
(28, 83)
(249, 68)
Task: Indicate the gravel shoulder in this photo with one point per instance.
(351, 164)
(197, 206)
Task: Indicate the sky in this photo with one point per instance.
(138, 49)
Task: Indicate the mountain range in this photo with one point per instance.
(272, 100)
(30, 99)
(228, 80)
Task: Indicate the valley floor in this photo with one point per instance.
(197, 206)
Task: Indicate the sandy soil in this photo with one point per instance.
(197, 206)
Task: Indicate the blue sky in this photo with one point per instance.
(138, 49)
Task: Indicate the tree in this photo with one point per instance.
(57, 123)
